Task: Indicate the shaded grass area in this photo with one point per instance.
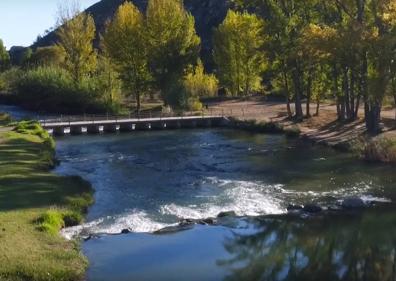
(267, 127)
(30, 246)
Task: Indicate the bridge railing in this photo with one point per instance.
(241, 113)
(133, 116)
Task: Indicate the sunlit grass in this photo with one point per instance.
(28, 193)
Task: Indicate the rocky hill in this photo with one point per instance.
(208, 14)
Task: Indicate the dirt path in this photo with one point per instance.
(323, 128)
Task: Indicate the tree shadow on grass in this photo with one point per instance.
(37, 190)
(26, 180)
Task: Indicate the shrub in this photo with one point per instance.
(51, 222)
(199, 84)
(9, 78)
(53, 89)
(381, 149)
(292, 131)
(4, 118)
(72, 218)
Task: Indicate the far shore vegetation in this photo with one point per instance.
(303, 51)
(34, 205)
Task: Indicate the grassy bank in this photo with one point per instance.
(381, 148)
(34, 205)
(266, 127)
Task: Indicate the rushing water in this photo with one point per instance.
(145, 181)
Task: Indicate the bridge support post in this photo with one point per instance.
(112, 128)
(95, 129)
(127, 127)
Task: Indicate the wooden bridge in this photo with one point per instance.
(76, 125)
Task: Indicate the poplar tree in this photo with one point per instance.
(173, 45)
(125, 43)
(76, 37)
(238, 52)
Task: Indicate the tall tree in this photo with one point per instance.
(125, 43)
(76, 37)
(173, 44)
(4, 57)
(238, 52)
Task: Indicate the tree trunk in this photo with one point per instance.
(309, 93)
(289, 112)
(298, 92)
(352, 96)
(357, 106)
(342, 109)
(335, 92)
(346, 97)
(138, 103)
(394, 97)
(286, 84)
(373, 117)
(317, 106)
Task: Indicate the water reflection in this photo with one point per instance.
(344, 247)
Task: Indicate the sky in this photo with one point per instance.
(21, 21)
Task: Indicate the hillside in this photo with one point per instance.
(208, 14)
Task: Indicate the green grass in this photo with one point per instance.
(34, 205)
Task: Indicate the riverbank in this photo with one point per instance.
(34, 205)
(258, 115)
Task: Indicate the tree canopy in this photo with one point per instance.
(76, 37)
(238, 52)
(173, 44)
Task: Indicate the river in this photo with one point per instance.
(146, 181)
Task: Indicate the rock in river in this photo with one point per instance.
(226, 214)
(353, 203)
(312, 208)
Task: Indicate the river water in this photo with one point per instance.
(146, 181)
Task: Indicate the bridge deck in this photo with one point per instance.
(115, 121)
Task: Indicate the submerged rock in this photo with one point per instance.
(175, 228)
(186, 222)
(353, 203)
(312, 208)
(125, 231)
(226, 214)
(208, 221)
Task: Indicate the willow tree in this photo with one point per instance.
(4, 57)
(76, 37)
(173, 45)
(238, 52)
(125, 43)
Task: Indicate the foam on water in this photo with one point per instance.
(214, 195)
(135, 221)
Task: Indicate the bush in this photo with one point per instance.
(53, 89)
(51, 222)
(292, 131)
(9, 79)
(4, 118)
(72, 219)
(200, 85)
(381, 149)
